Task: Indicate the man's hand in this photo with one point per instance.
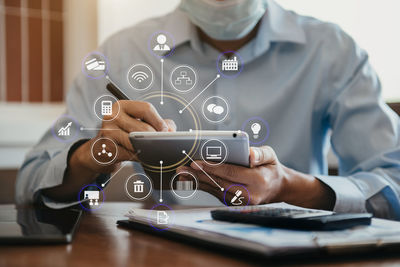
(267, 181)
(133, 116)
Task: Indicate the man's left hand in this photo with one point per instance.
(267, 181)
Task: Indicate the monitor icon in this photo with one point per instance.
(213, 152)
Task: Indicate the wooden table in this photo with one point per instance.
(99, 242)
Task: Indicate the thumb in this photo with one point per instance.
(262, 155)
(171, 125)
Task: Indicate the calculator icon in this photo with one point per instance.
(106, 107)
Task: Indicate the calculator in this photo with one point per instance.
(303, 219)
(106, 108)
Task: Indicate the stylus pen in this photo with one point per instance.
(113, 89)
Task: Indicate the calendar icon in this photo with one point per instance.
(106, 108)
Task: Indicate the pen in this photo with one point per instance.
(114, 89)
(237, 194)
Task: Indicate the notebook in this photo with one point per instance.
(197, 226)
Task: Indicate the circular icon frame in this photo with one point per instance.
(140, 198)
(237, 72)
(203, 109)
(73, 137)
(266, 127)
(80, 200)
(238, 185)
(102, 118)
(172, 216)
(150, 72)
(113, 158)
(197, 124)
(168, 35)
(172, 74)
(211, 163)
(85, 71)
(172, 185)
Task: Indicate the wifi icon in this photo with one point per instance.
(140, 76)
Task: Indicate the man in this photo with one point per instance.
(304, 77)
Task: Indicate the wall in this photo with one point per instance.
(80, 34)
(34, 115)
(117, 14)
(373, 24)
(31, 44)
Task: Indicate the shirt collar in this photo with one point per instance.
(280, 25)
(277, 25)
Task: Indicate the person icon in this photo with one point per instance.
(161, 43)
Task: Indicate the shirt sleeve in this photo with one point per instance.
(45, 165)
(366, 139)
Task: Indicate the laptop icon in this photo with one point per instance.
(213, 152)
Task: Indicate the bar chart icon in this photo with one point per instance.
(66, 130)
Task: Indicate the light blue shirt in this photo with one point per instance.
(308, 79)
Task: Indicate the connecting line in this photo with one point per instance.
(208, 85)
(162, 82)
(184, 152)
(112, 176)
(161, 184)
(97, 129)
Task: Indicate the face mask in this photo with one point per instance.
(225, 20)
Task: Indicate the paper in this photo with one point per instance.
(198, 222)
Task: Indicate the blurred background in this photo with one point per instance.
(42, 44)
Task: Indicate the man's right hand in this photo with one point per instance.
(133, 116)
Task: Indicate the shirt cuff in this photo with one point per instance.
(349, 198)
(52, 204)
(54, 176)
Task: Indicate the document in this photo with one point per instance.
(198, 223)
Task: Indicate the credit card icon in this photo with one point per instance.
(95, 64)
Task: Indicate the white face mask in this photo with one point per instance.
(225, 20)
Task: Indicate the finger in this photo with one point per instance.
(231, 197)
(213, 191)
(217, 182)
(214, 181)
(216, 192)
(206, 184)
(183, 169)
(111, 168)
(232, 173)
(185, 174)
(237, 196)
(126, 155)
(144, 111)
(171, 125)
(262, 155)
(118, 136)
(129, 124)
(184, 177)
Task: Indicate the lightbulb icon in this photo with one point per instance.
(255, 128)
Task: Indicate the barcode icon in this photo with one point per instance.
(184, 185)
